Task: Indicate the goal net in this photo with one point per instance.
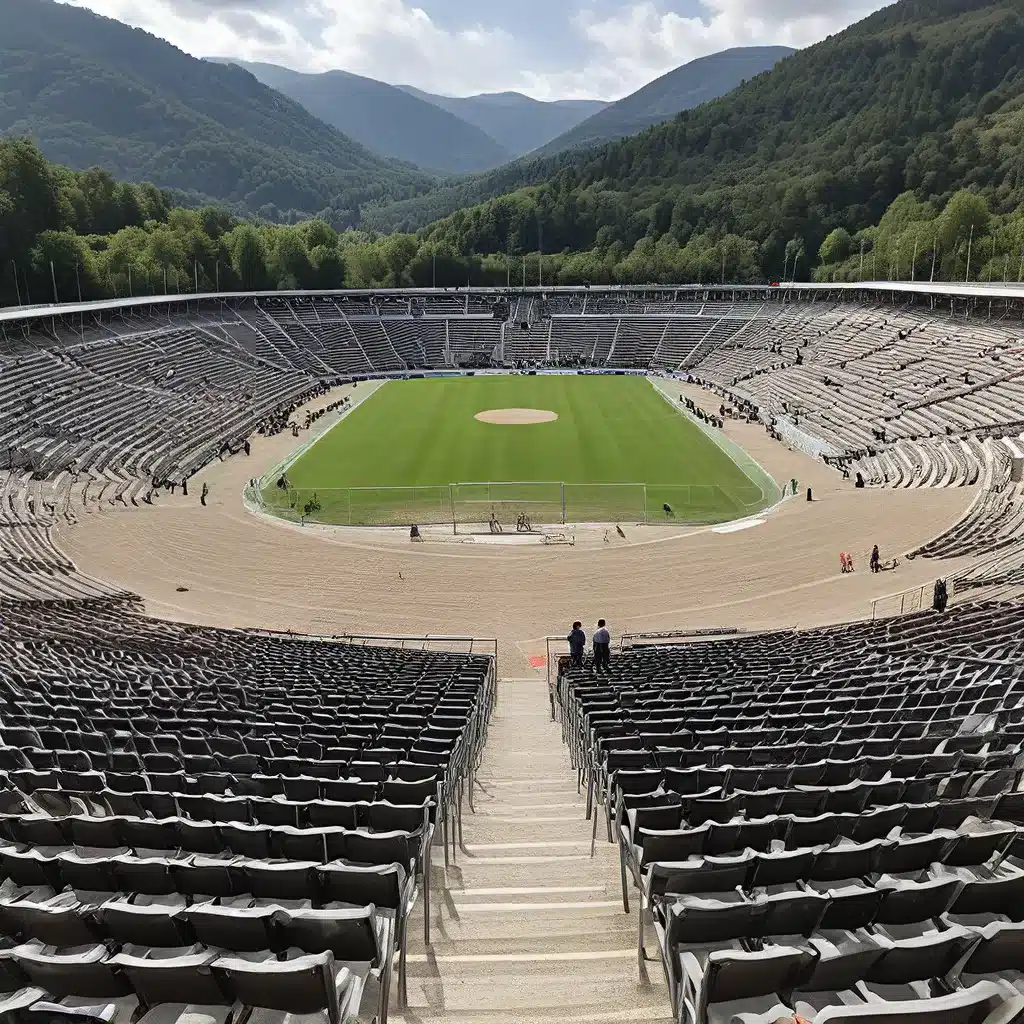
(477, 504)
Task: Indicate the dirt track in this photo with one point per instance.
(243, 570)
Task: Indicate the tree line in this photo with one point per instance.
(66, 235)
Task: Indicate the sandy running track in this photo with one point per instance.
(245, 570)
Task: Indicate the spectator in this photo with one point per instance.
(876, 561)
(577, 642)
(602, 648)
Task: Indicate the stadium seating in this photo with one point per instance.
(829, 823)
(202, 816)
(98, 410)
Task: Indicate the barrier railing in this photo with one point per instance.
(904, 603)
(478, 504)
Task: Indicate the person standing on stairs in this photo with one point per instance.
(577, 644)
(602, 648)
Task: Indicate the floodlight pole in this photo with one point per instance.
(17, 285)
(970, 246)
(540, 254)
(913, 265)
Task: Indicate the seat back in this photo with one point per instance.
(301, 986)
(186, 978)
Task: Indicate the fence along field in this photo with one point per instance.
(422, 438)
(543, 503)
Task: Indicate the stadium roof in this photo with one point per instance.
(969, 290)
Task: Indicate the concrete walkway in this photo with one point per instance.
(528, 926)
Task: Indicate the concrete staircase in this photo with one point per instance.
(528, 927)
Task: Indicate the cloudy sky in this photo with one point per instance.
(550, 49)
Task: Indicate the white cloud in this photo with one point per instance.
(388, 39)
(398, 41)
(644, 40)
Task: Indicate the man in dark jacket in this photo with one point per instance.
(577, 644)
(602, 647)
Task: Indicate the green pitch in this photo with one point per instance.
(617, 452)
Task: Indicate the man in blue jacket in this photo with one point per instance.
(577, 643)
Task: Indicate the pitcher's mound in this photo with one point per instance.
(516, 417)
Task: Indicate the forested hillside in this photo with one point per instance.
(93, 91)
(519, 123)
(926, 95)
(685, 87)
(893, 150)
(386, 119)
(105, 238)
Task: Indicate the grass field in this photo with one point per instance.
(392, 460)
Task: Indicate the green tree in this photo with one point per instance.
(319, 233)
(837, 246)
(33, 202)
(327, 268)
(73, 265)
(290, 265)
(248, 257)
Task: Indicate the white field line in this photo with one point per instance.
(289, 460)
(657, 382)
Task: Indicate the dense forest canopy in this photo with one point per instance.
(892, 150)
(92, 91)
(65, 234)
(925, 95)
(699, 81)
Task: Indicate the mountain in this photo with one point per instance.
(386, 119)
(518, 123)
(93, 91)
(924, 96)
(686, 87)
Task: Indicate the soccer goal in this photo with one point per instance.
(475, 506)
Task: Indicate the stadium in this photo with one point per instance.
(288, 720)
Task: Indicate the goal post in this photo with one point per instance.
(478, 503)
